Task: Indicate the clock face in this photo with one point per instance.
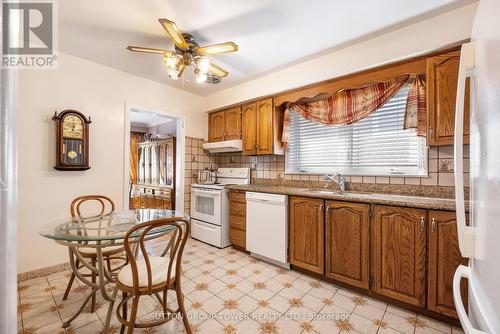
(72, 126)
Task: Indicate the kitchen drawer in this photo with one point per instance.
(237, 237)
(238, 222)
(238, 197)
(238, 209)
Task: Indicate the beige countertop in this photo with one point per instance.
(372, 198)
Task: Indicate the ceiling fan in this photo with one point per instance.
(189, 53)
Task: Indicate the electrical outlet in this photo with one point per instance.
(253, 160)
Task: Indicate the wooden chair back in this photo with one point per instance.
(105, 205)
(179, 235)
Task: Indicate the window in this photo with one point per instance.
(376, 145)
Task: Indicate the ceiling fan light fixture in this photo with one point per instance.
(203, 65)
(170, 60)
(189, 54)
(173, 73)
(201, 77)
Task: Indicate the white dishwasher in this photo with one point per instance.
(267, 227)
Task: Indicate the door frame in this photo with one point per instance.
(179, 159)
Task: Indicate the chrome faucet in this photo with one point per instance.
(340, 182)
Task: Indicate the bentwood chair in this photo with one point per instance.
(78, 207)
(152, 275)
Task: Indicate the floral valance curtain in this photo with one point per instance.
(351, 105)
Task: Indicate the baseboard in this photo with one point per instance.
(42, 272)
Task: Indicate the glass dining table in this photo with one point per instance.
(100, 232)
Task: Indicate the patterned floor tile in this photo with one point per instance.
(368, 311)
(228, 292)
(402, 324)
(425, 322)
(362, 325)
(288, 326)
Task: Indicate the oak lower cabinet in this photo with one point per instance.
(347, 233)
(406, 254)
(398, 262)
(237, 218)
(444, 258)
(306, 233)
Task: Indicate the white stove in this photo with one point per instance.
(210, 206)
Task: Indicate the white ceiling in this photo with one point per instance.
(271, 34)
(147, 119)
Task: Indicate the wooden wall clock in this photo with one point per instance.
(72, 140)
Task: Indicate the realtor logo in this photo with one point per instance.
(28, 35)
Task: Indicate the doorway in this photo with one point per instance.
(154, 159)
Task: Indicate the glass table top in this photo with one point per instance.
(108, 227)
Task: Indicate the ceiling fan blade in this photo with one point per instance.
(218, 71)
(218, 48)
(174, 33)
(147, 50)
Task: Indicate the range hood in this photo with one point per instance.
(223, 146)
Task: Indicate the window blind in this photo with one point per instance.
(376, 145)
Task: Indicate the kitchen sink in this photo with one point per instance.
(335, 192)
(322, 191)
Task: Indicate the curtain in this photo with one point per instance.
(135, 138)
(416, 106)
(351, 105)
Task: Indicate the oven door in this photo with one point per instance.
(206, 205)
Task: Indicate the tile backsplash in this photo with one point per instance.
(440, 169)
(272, 167)
(196, 158)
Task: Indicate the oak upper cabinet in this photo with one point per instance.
(249, 131)
(261, 128)
(224, 125)
(306, 235)
(444, 258)
(347, 229)
(442, 78)
(399, 253)
(233, 123)
(216, 126)
(265, 127)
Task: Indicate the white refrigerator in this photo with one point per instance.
(480, 240)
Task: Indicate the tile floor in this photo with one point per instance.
(229, 292)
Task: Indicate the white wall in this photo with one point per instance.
(421, 37)
(101, 92)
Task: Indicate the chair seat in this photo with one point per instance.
(159, 268)
(105, 251)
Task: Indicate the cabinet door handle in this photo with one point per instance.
(430, 131)
(433, 224)
(422, 224)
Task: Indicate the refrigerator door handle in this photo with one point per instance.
(466, 69)
(463, 272)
